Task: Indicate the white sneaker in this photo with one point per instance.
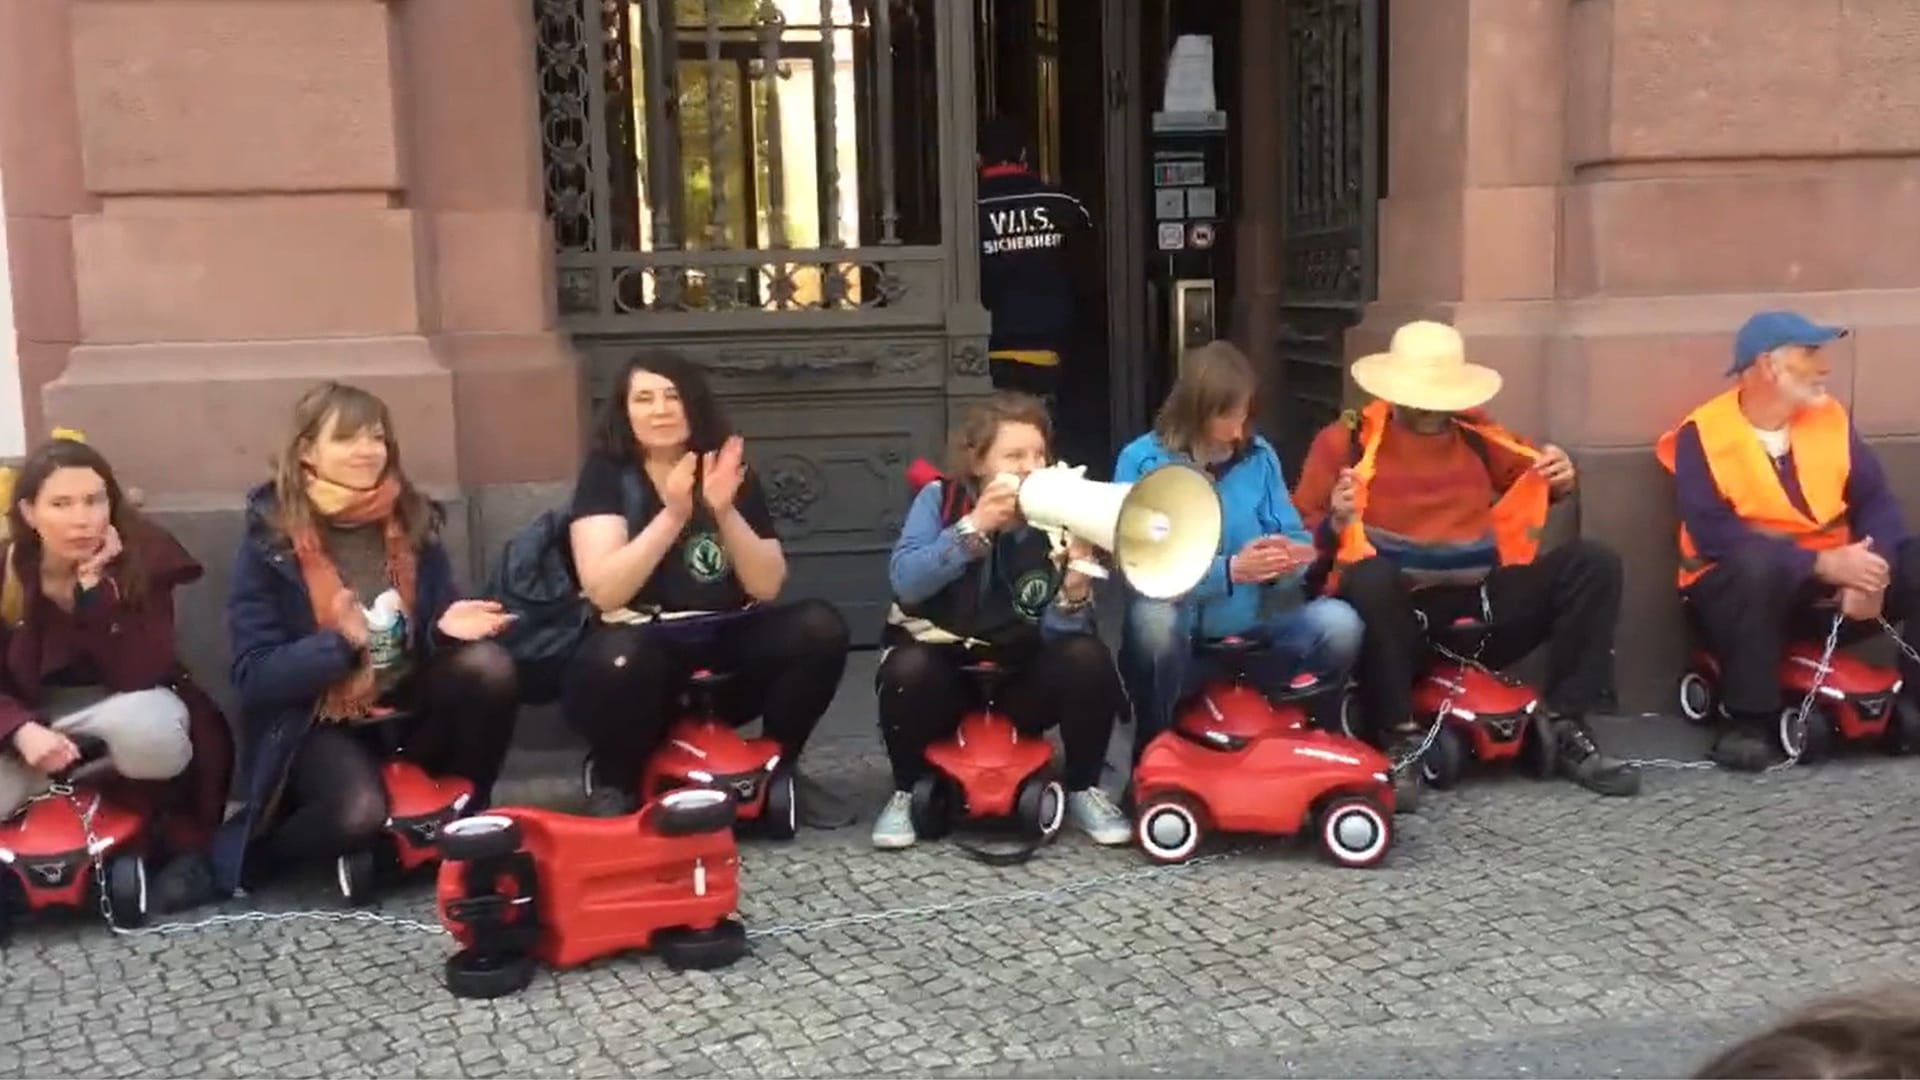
(893, 829)
(1094, 814)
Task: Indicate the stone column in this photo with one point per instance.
(1598, 192)
(40, 153)
(1469, 221)
(273, 192)
(1727, 156)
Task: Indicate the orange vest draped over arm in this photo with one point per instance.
(1519, 515)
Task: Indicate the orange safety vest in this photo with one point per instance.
(1519, 515)
(1746, 478)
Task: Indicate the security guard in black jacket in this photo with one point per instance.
(1026, 280)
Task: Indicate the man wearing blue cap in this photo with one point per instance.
(1785, 515)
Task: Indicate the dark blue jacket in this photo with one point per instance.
(283, 662)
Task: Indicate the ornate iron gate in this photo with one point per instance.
(781, 190)
(1333, 176)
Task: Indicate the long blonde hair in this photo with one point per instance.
(353, 410)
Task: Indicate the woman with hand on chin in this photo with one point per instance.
(674, 545)
(87, 648)
(348, 636)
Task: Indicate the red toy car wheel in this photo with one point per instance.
(1539, 754)
(358, 874)
(1355, 832)
(1351, 722)
(126, 889)
(690, 811)
(1805, 742)
(476, 975)
(483, 836)
(1169, 827)
(1042, 806)
(1445, 761)
(702, 950)
(780, 819)
(935, 804)
(1903, 731)
(1696, 697)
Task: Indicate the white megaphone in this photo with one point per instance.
(1163, 531)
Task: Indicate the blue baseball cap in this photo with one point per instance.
(1769, 330)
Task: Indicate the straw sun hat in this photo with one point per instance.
(1425, 367)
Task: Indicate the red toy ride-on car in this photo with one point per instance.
(50, 848)
(1857, 702)
(703, 750)
(1259, 769)
(989, 771)
(1484, 714)
(520, 885)
(418, 807)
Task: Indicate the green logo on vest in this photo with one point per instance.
(706, 559)
(1032, 593)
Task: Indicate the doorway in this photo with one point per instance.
(1087, 108)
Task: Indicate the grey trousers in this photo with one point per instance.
(145, 732)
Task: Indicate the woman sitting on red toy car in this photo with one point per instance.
(89, 650)
(673, 543)
(972, 581)
(344, 613)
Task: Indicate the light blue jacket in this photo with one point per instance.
(1253, 503)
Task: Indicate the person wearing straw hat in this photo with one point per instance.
(1785, 517)
(1428, 512)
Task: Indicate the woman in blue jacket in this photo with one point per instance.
(344, 615)
(1253, 588)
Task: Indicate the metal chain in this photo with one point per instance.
(1800, 719)
(864, 918)
(1897, 639)
(1446, 704)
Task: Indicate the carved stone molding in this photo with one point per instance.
(792, 485)
(969, 360)
(787, 362)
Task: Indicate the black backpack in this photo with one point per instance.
(534, 579)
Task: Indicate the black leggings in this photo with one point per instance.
(621, 689)
(1070, 682)
(463, 706)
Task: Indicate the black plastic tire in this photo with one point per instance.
(11, 906)
(483, 836)
(1539, 752)
(1696, 698)
(1903, 728)
(780, 817)
(1041, 806)
(358, 875)
(126, 887)
(935, 803)
(691, 811)
(1445, 761)
(481, 976)
(1816, 743)
(1354, 831)
(702, 950)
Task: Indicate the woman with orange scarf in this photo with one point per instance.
(348, 638)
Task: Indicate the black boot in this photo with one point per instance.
(1747, 744)
(1580, 760)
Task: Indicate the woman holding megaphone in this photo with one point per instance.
(1253, 588)
(972, 580)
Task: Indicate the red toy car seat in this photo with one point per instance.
(990, 771)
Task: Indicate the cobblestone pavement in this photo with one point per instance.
(1518, 928)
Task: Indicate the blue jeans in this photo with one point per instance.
(1157, 660)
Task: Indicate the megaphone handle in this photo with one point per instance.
(1089, 568)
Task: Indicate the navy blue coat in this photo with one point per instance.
(283, 662)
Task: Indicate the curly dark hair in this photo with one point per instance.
(708, 427)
